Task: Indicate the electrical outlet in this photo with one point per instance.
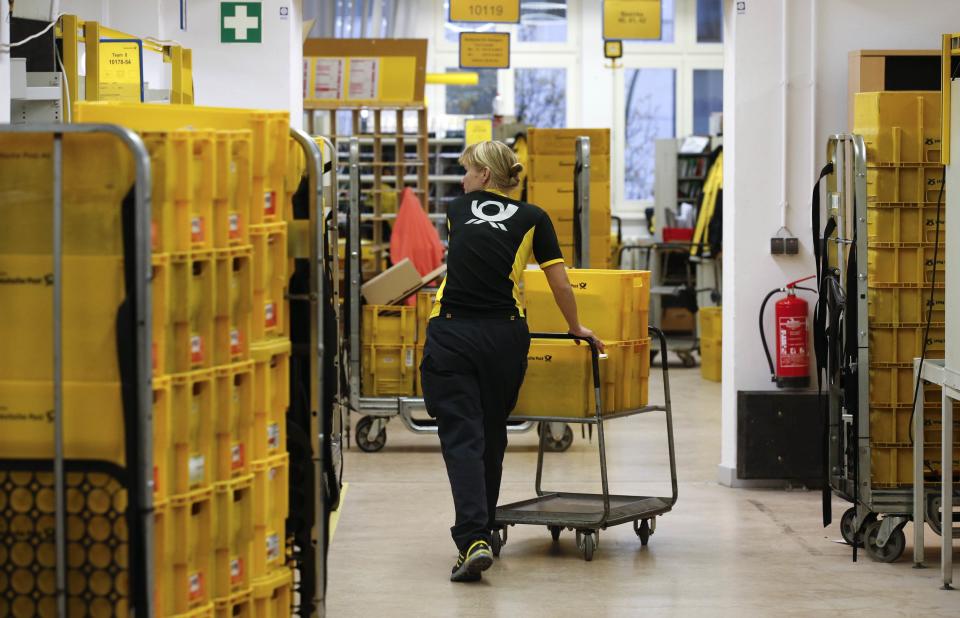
(791, 246)
(777, 246)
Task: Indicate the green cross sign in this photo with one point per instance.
(241, 22)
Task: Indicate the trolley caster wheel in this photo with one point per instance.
(362, 434)
(553, 443)
(555, 532)
(587, 543)
(889, 552)
(687, 359)
(498, 538)
(847, 522)
(643, 531)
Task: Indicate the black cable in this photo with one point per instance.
(763, 335)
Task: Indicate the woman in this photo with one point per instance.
(475, 355)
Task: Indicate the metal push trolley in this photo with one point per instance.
(587, 514)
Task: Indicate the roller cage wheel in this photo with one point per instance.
(587, 543)
(555, 532)
(362, 434)
(846, 526)
(498, 538)
(554, 444)
(643, 531)
(890, 552)
(687, 359)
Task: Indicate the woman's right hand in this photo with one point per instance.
(586, 333)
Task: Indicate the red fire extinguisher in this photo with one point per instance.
(793, 353)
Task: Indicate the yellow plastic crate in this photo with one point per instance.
(232, 191)
(418, 358)
(905, 306)
(614, 303)
(272, 595)
(204, 179)
(902, 345)
(425, 302)
(564, 141)
(893, 466)
(914, 223)
(162, 445)
(233, 312)
(190, 540)
(295, 171)
(557, 197)
(204, 611)
(192, 430)
(270, 131)
(192, 296)
(890, 425)
(160, 304)
(271, 487)
(388, 370)
(899, 127)
(89, 319)
(389, 325)
(271, 397)
(270, 276)
(894, 385)
(234, 420)
(233, 535)
(563, 223)
(711, 359)
(599, 252)
(237, 605)
(898, 184)
(637, 375)
(171, 166)
(92, 420)
(162, 571)
(624, 376)
(904, 264)
(711, 323)
(560, 168)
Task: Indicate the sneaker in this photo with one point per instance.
(470, 563)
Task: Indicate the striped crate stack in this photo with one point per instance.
(904, 224)
(550, 186)
(221, 354)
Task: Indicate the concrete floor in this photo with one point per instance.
(720, 552)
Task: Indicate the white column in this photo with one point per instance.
(4, 63)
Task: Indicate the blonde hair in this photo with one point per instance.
(497, 157)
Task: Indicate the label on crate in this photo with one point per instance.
(273, 440)
(196, 229)
(196, 349)
(237, 457)
(197, 469)
(270, 314)
(233, 225)
(409, 358)
(196, 587)
(269, 203)
(236, 341)
(273, 547)
(236, 570)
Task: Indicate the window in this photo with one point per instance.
(541, 97)
(349, 21)
(650, 96)
(667, 16)
(541, 21)
(709, 21)
(707, 98)
(473, 100)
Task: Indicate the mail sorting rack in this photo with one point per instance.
(376, 411)
(93, 477)
(879, 480)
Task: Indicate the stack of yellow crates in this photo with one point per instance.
(221, 353)
(904, 181)
(711, 343)
(550, 186)
(389, 338)
(559, 379)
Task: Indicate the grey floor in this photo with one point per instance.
(720, 552)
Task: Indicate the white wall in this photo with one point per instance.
(4, 63)
(752, 160)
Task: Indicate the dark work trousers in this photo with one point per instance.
(471, 374)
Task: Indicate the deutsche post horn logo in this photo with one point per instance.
(504, 212)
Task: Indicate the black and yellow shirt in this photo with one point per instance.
(491, 239)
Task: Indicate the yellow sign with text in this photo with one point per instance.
(484, 50)
(478, 130)
(497, 11)
(631, 19)
(121, 71)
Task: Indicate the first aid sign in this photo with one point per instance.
(241, 22)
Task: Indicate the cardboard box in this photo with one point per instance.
(396, 283)
(677, 319)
